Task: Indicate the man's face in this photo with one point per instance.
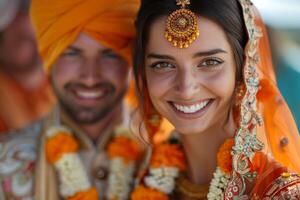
(18, 48)
(89, 80)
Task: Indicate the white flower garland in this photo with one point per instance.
(73, 177)
(218, 185)
(164, 178)
(120, 179)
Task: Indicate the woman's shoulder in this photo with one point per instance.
(275, 181)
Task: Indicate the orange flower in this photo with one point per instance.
(168, 155)
(58, 145)
(90, 194)
(224, 157)
(126, 148)
(143, 193)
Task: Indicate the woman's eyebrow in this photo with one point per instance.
(209, 52)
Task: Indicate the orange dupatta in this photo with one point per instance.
(279, 132)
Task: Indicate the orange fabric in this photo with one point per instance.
(268, 171)
(278, 121)
(19, 107)
(58, 23)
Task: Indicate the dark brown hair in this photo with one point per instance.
(226, 13)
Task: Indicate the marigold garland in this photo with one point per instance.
(224, 157)
(144, 193)
(58, 145)
(90, 194)
(125, 148)
(168, 155)
(61, 150)
(172, 156)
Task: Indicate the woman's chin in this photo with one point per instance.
(189, 130)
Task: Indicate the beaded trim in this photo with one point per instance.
(246, 141)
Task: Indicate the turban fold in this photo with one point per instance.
(59, 22)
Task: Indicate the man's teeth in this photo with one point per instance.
(192, 108)
(89, 95)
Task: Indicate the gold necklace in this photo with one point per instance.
(191, 190)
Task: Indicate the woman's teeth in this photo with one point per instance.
(191, 108)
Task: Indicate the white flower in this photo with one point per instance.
(218, 185)
(120, 179)
(165, 171)
(121, 130)
(51, 132)
(163, 184)
(162, 179)
(72, 175)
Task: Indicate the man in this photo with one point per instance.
(25, 93)
(85, 46)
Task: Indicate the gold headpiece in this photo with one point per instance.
(182, 26)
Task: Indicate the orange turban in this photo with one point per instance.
(59, 22)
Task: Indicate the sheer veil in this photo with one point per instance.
(279, 131)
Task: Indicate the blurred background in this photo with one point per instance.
(282, 18)
(25, 92)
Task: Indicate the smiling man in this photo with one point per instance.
(90, 81)
(85, 46)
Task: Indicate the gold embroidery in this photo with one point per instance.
(182, 26)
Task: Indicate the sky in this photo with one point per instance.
(280, 13)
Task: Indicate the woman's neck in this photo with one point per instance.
(201, 150)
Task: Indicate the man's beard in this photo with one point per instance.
(90, 115)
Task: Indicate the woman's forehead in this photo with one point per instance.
(212, 36)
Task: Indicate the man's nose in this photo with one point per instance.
(90, 72)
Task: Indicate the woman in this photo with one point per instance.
(197, 64)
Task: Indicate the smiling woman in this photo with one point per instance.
(205, 81)
(190, 86)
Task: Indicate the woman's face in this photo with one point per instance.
(191, 87)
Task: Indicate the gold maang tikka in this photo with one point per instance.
(182, 26)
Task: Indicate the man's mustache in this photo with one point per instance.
(98, 86)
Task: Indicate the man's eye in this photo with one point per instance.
(211, 62)
(162, 66)
(70, 53)
(110, 54)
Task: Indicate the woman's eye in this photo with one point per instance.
(162, 66)
(211, 62)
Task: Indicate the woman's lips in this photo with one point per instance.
(193, 110)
